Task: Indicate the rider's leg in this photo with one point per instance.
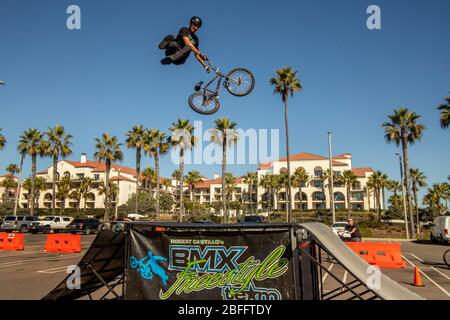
(178, 57)
(165, 42)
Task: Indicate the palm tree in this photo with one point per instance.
(286, 84)
(251, 178)
(277, 183)
(224, 134)
(85, 188)
(182, 138)
(76, 195)
(27, 185)
(22, 151)
(403, 129)
(436, 194)
(108, 150)
(394, 186)
(8, 183)
(135, 140)
(378, 181)
(156, 144)
(230, 185)
(2, 140)
(417, 181)
(149, 177)
(13, 169)
(60, 144)
(192, 178)
(445, 113)
(299, 178)
(63, 192)
(32, 143)
(348, 178)
(41, 186)
(266, 182)
(166, 184)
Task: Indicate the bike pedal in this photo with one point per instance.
(198, 86)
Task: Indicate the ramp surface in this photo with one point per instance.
(335, 247)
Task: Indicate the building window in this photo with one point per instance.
(318, 196)
(80, 176)
(96, 177)
(339, 196)
(318, 184)
(318, 172)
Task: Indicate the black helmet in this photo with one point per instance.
(196, 20)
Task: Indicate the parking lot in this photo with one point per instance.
(32, 273)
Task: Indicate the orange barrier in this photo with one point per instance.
(63, 243)
(381, 254)
(417, 279)
(11, 241)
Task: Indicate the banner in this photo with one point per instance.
(202, 265)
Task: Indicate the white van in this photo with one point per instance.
(440, 229)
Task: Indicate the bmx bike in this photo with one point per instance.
(239, 82)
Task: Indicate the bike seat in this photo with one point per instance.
(198, 86)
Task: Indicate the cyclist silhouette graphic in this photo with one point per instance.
(148, 266)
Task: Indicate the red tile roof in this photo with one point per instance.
(303, 156)
(121, 178)
(207, 183)
(8, 175)
(361, 172)
(266, 165)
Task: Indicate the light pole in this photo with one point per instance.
(402, 183)
(118, 195)
(332, 208)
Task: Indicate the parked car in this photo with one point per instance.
(440, 229)
(253, 219)
(20, 223)
(339, 227)
(83, 225)
(50, 223)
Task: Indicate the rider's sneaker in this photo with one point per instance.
(166, 60)
(163, 44)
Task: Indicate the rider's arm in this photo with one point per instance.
(194, 49)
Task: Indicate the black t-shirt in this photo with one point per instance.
(355, 234)
(186, 32)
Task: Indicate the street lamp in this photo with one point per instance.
(330, 156)
(402, 183)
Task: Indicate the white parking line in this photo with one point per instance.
(426, 276)
(326, 274)
(16, 263)
(441, 273)
(53, 270)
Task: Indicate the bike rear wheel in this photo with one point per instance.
(447, 258)
(204, 105)
(240, 82)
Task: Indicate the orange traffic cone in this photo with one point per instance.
(417, 279)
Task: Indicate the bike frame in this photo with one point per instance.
(219, 75)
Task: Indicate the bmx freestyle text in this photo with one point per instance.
(225, 310)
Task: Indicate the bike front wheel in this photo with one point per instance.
(204, 104)
(240, 82)
(133, 262)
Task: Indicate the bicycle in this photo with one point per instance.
(239, 82)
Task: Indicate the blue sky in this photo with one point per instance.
(107, 77)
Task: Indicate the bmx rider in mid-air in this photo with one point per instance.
(178, 49)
